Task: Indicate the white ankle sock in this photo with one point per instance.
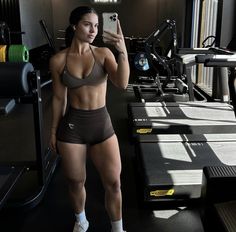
(117, 226)
(81, 217)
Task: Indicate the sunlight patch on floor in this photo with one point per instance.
(165, 214)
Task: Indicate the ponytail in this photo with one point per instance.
(69, 34)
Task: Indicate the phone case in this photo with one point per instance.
(110, 21)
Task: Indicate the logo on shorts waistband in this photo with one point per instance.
(71, 126)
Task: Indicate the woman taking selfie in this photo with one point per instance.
(81, 122)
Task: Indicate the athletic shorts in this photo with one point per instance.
(85, 126)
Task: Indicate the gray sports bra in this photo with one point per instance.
(95, 77)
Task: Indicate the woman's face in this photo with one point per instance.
(87, 28)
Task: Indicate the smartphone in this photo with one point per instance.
(110, 21)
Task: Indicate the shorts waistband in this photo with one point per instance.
(84, 111)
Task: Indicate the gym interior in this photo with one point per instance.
(175, 122)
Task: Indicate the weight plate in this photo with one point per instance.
(141, 61)
(18, 53)
(3, 49)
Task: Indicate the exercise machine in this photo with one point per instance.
(21, 82)
(164, 81)
(47, 36)
(183, 117)
(176, 140)
(190, 57)
(170, 165)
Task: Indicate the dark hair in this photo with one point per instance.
(69, 34)
(77, 14)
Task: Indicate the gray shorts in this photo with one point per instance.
(85, 126)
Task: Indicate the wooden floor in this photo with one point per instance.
(54, 213)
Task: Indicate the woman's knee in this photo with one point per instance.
(113, 186)
(76, 184)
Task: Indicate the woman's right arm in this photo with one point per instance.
(59, 99)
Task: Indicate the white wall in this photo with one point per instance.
(31, 12)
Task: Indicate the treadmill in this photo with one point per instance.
(176, 140)
(170, 165)
(181, 118)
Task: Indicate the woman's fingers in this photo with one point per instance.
(119, 30)
(114, 39)
(111, 36)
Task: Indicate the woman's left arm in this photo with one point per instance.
(118, 73)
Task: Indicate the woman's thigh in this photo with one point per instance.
(106, 158)
(73, 160)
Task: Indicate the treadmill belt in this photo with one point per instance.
(181, 118)
(172, 169)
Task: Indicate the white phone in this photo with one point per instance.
(110, 21)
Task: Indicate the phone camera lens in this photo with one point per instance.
(114, 17)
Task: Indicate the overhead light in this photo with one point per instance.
(106, 1)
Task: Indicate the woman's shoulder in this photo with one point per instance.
(57, 61)
(102, 51)
(59, 57)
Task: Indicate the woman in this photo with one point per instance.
(80, 119)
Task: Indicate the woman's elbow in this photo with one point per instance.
(125, 82)
(121, 81)
(123, 85)
(59, 100)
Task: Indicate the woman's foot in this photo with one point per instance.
(81, 226)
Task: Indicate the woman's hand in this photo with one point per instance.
(117, 40)
(53, 142)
